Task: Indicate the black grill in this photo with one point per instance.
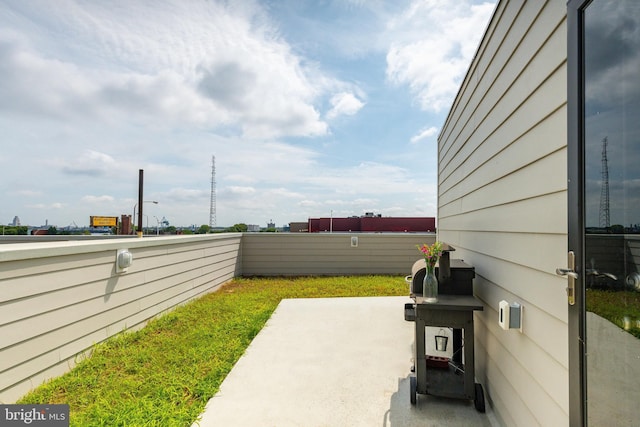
(455, 277)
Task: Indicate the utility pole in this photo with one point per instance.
(140, 201)
(605, 220)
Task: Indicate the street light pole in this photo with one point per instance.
(155, 202)
(331, 222)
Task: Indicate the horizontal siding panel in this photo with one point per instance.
(502, 202)
(102, 266)
(69, 301)
(157, 304)
(523, 396)
(525, 150)
(515, 121)
(39, 266)
(479, 98)
(84, 329)
(483, 72)
(331, 254)
(157, 268)
(310, 270)
(15, 332)
(360, 252)
(541, 252)
(633, 245)
(14, 392)
(538, 215)
(536, 325)
(543, 289)
(128, 316)
(66, 297)
(24, 286)
(536, 57)
(337, 258)
(67, 350)
(67, 353)
(513, 187)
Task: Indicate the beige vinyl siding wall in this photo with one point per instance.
(58, 299)
(291, 254)
(502, 203)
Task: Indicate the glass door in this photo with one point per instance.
(604, 199)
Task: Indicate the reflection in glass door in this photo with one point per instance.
(611, 257)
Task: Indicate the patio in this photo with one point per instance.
(332, 362)
(335, 361)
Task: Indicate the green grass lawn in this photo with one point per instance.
(619, 307)
(164, 374)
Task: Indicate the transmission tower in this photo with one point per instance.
(605, 221)
(212, 209)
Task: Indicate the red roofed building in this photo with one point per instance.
(372, 224)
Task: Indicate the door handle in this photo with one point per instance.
(566, 272)
(571, 276)
(596, 273)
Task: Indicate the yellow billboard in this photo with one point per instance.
(103, 221)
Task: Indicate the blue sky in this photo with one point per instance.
(310, 107)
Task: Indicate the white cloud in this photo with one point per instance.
(364, 179)
(437, 42)
(240, 178)
(272, 162)
(310, 204)
(344, 104)
(91, 92)
(285, 193)
(207, 64)
(27, 193)
(98, 199)
(424, 134)
(242, 191)
(49, 206)
(90, 163)
(180, 195)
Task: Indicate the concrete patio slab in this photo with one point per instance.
(332, 362)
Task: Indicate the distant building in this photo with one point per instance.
(298, 227)
(370, 223)
(126, 225)
(16, 221)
